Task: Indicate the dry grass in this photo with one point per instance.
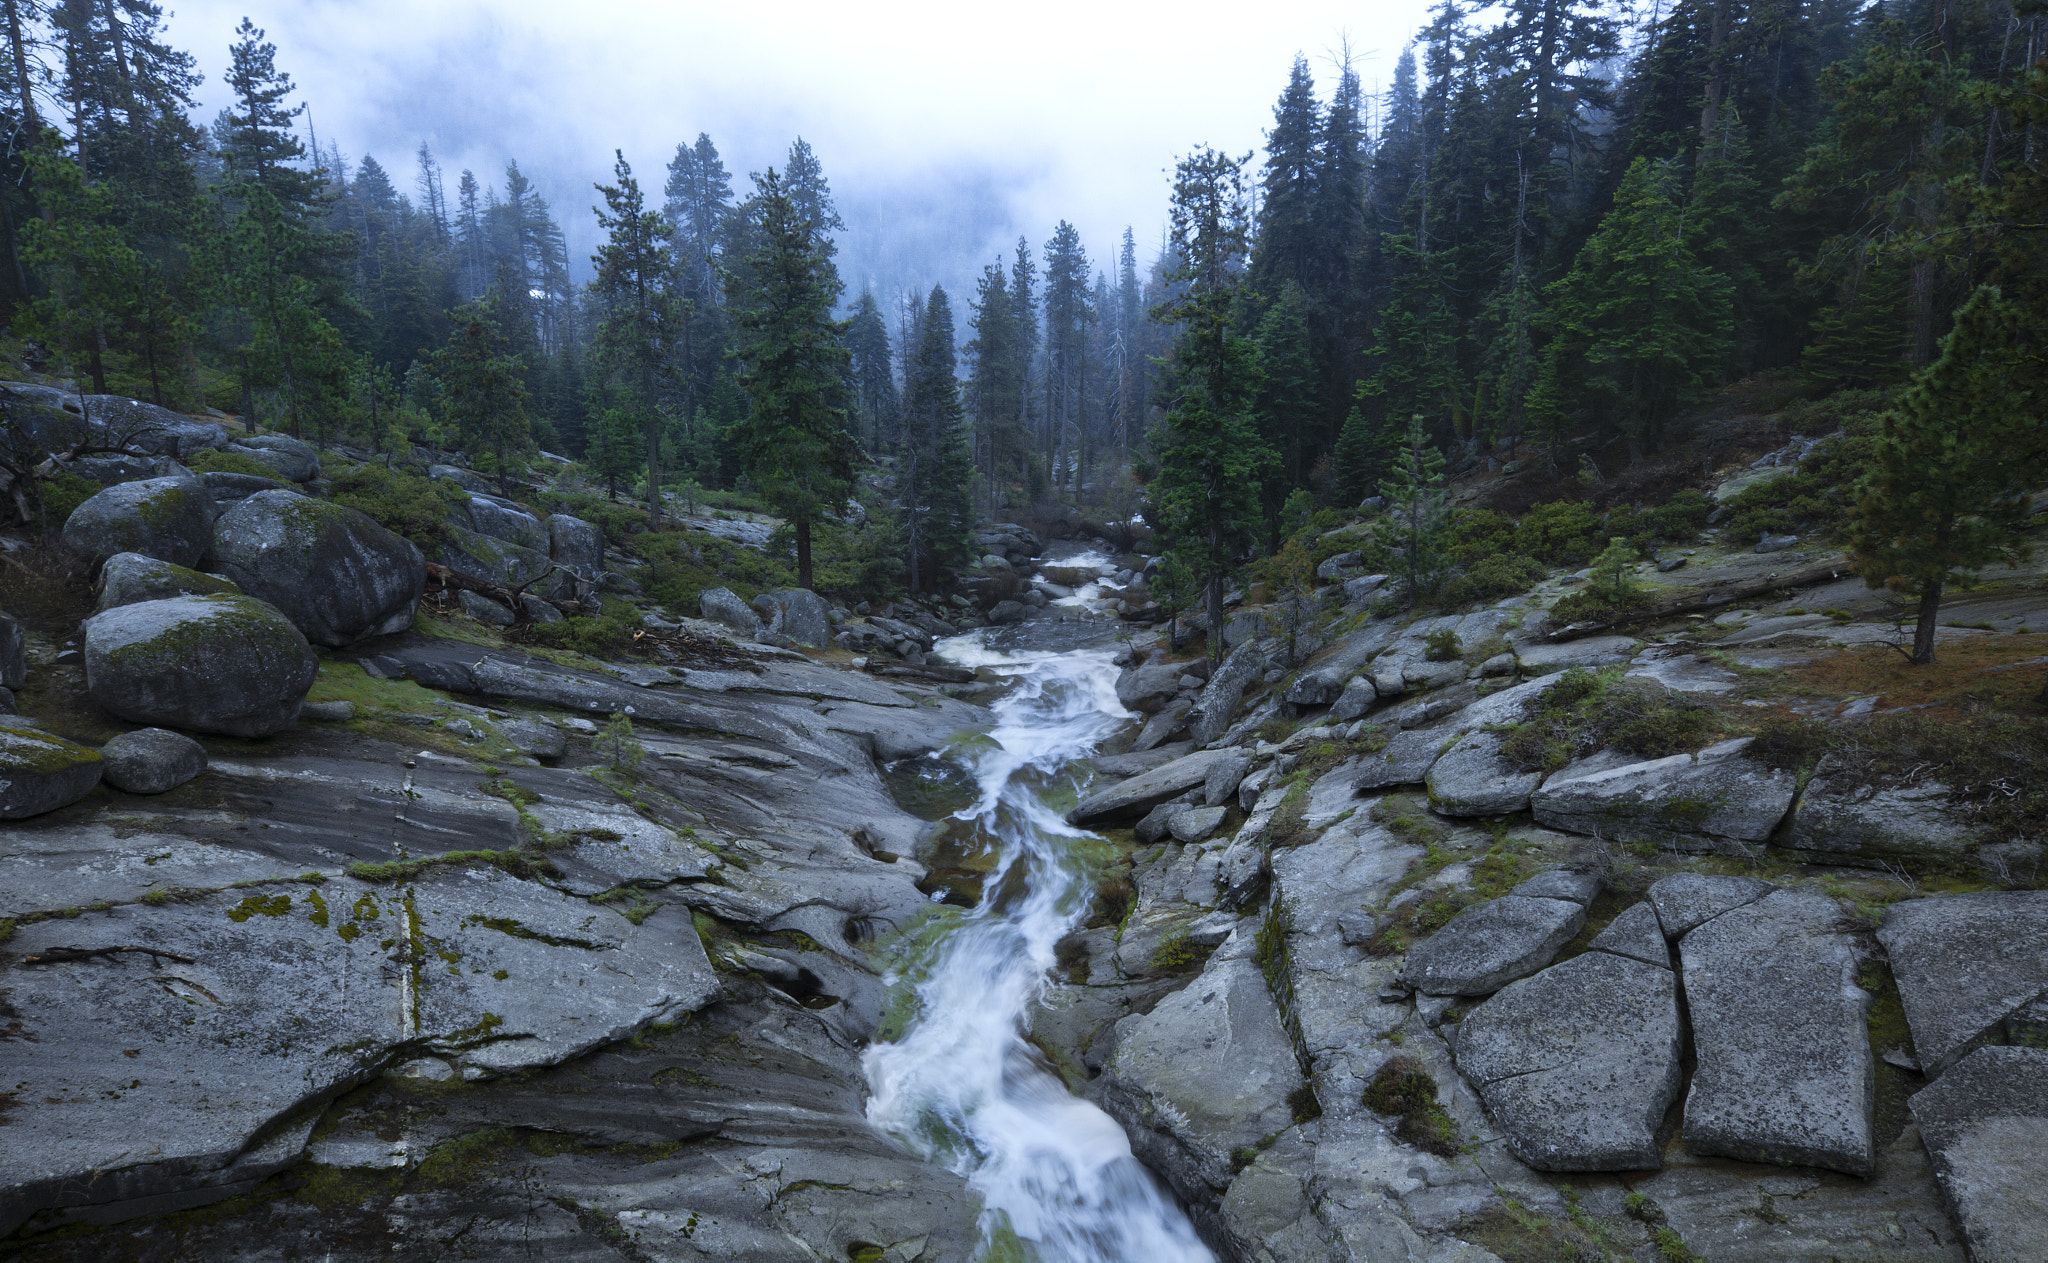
(1965, 678)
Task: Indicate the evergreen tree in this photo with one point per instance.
(90, 274)
(1068, 315)
(639, 312)
(1288, 245)
(1415, 496)
(483, 390)
(1212, 459)
(793, 359)
(874, 382)
(995, 388)
(1956, 461)
(1365, 454)
(933, 470)
(1289, 395)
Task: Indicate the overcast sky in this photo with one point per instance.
(946, 130)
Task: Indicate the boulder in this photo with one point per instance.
(293, 460)
(1147, 688)
(500, 519)
(484, 610)
(1491, 944)
(1634, 933)
(1684, 901)
(1588, 651)
(152, 760)
(1843, 819)
(13, 652)
(1579, 1063)
(1195, 824)
(226, 664)
(1005, 612)
(536, 737)
(1562, 883)
(167, 518)
(538, 610)
(1153, 827)
(1985, 1124)
(40, 771)
(1334, 568)
(488, 559)
(1206, 1073)
(1964, 965)
(1220, 785)
(146, 427)
(1224, 690)
(1776, 543)
(339, 576)
(802, 615)
(226, 488)
(1171, 719)
(576, 545)
(1131, 799)
(1358, 697)
(1358, 591)
(131, 577)
(108, 470)
(1472, 779)
(722, 606)
(1715, 800)
(1784, 1072)
(468, 480)
(1406, 761)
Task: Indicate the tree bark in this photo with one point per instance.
(1923, 630)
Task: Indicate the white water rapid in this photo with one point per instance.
(961, 1087)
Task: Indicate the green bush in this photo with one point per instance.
(1593, 606)
(1442, 645)
(1587, 711)
(1492, 578)
(1560, 533)
(597, 636)
(401, 500)
(1478, 534)
(64, 493)
(218, 462)
(1813, 499)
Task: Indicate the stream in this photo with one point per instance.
(962, 1087)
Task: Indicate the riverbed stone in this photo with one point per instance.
(1206, 1073)
(1985, 1123)
(1131, 799)
(1579, 1062)
(167, 518)
(1473, 779)
(1489, 945)
(1686, 900)
(1634, 933)
(336, 574)
(1147, 688)
(152, 760)
(225, 664)
(1715, 801)
(1784, 1071)
(40, 771)
(128, 578)
(1964, 965)
(1218, 702)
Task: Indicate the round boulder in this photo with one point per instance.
(336, 574)
(722, 605)
(170, 519)
(226, 664)
(576, 545)
(40, 772)
(130, 578)
(292, 459)
(152, 760)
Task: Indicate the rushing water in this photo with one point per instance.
(961, 1087)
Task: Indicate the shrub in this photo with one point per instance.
(1592, 606)
(1404, 1089)
(1614, 572)
(1442, 645)
(218, 462)
(1587, 711)
(1478, 534)
(401, 500)
(1815, 498)
(1492, 578)
(64, 493)
(599, 636)
(616, 745)
(1561, 533)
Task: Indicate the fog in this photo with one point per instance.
(946, 131)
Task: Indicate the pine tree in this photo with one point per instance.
(793, 359)
(874, 382)
(933, 471)
(483, 390)
(1212, 459)
(1956, 460)
(1289, 395)
(995, 390)
(639, 312)
(1288, 248)
(1415, 496)
(89, 272)
(1068, 315)
(1365, 455)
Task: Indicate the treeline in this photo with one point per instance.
(1561, 225)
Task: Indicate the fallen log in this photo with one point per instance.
(1711, 596)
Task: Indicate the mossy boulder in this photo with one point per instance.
(167, 518)
(336, 574)
(152, 760)
(131, 578)
(488, 559)
(293, 460)
(41, 772)
(225, 664)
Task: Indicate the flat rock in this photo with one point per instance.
(1472, 779)
(1714, 801)
(1784, 1070)
(195, 1025)
(1130, 799)
(1207, 1072)
(1685, 900)
(1562, 883)
(1964, 964)
(1579, 1063)
(40, 771)
(1195, 824)
(1491, 944)
(1590, 651)
(152, 760)
(1839, 818)
(1634, 933)
(1985, 1123)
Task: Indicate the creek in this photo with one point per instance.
(962, 1087)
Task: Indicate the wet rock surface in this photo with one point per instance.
(1489, 945)
(1986, 1124)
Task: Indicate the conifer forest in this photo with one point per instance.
(1585, 468)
